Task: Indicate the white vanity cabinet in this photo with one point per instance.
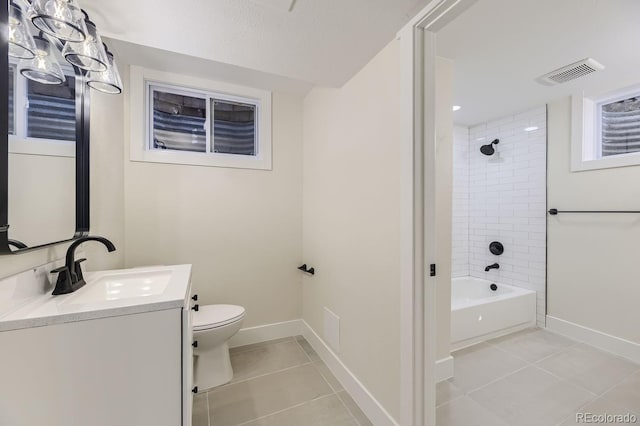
(125, 368)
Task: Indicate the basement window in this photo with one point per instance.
(606, 130)
(199, 122)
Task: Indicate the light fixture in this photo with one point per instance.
(21, 44)
(67, 28)
(530, 129)
(108, 81)
(62, 19)
(456, 108)
(89, 54)
(43, 68)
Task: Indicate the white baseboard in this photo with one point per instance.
(598, 339)
(264, 333)
(367, 403)
(444, 369)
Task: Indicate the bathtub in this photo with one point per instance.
(479, 313)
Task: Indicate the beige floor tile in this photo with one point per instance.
(624, 400)
(480, 364)
(590, 368)
(532, 397)
(325, 411)
(241, 402)
(311, 353)
(466, 412)
(351, 405)
(266, 359)
(446, 392)
(627, 393)
(200, 410)
(328, 376)
(259, 345)
(532, 344)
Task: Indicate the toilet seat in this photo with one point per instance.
(214, 316)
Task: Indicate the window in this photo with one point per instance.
(178, 121)
(606, 130)
(619, 126)
(199, 122)
(234, 127)
(42, 118)
(51, 110)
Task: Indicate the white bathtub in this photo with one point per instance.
(479, 313)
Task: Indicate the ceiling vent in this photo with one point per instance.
(570, 72)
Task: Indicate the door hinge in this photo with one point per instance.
(432, 270)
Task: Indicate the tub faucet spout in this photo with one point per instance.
(490, 267)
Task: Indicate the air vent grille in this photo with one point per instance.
(571, 72)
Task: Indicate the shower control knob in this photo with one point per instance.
(196, 307)
(195, 298)
(496, 248)
(195, 389)
(195, 344)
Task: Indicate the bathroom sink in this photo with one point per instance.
(106, 286)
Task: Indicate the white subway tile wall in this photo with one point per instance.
(460, 205)
(506, 202)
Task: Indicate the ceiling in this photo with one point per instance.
(500, 47)
(323, 42)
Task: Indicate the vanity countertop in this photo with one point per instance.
(105, 294)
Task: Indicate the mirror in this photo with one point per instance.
(45, 153)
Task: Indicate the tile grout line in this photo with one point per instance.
(601, 395)
(214, 390)
(257, 346)
(496, 380)
(286, 409)
(335, 392)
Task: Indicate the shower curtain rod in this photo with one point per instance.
(554, 212)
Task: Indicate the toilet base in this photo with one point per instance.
(213, 367)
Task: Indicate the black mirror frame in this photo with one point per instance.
(82, 147)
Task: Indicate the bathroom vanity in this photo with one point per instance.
(118, 351)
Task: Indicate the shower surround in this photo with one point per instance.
(502, 197)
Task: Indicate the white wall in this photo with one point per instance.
(241, 229)
(507, 202)
(351, 217)
(592, 259)
(443, 202)
(460, 231)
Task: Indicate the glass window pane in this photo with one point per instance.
(621, 127)
(234, 128)
(12, 73)
(179, 122)
(51, 110)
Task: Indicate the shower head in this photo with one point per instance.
(489, 149)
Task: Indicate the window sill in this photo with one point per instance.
(201, 159)
(623, 160)
(31, 146)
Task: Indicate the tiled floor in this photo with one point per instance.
(278, 383)
(535, 377)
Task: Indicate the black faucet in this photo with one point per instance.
(17, 244)
(70, 275)
(490, 267)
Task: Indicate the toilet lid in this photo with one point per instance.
(212, 316)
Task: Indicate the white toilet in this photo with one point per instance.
(213, 326)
